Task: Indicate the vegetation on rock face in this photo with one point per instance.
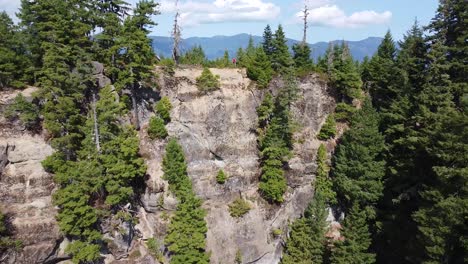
(306, 242)
(163, 109)
(328, 129)
(239, 207)
(156, 128)
(275, 140)
(207, 81)
(26, 112)
(187, 231)
(221, 177)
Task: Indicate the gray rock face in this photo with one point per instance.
(25, 196)
(217, 131)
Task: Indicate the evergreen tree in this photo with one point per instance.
(344, 75)
(207, 81)
(195, 56)
(187, 231)
(323, 183)
(267, 43)
(358, 167)
(163, 109)
(156, 128)
(280, 58)
(260, 69)
(306, 241)
(302, 60)
(136, 54)
(354, 248)
(13, 60)
(328, 129)
(382, 80)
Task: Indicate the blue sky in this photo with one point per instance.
(329, 19)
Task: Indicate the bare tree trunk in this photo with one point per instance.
(135, 108)
(176, 35)
(306, 26)
(134, 102)
(96, 127)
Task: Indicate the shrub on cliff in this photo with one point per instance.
(156, 128)
(221, 177)
(207, 81)
(163, 109)
(239, 208)
(328, 129)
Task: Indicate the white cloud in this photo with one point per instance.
(10, 6)
(329, 15)
(196, 12)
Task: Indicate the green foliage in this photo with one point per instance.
(302, 60)
(265, 110)
(168, 66)
(306, 242)
(344, 112)
(358, 167)
(267, 43)
(187, 231)
(323, 183)
(355, 246)
(260, 69)
(6, 242)
(27, 112)
(207, 81)
(221, 177)
(238, 259)
(280, 58)
(175, 169)
(275, 140)
(153, 248)
(156, 128)
(195, 56)
(239, 208)
(344, 74)
(328, 129)
(163, 109)
(83, 252)
(14, 63)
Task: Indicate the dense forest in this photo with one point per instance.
(398, 177)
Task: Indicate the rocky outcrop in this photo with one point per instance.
(25, 196)
(218, 131)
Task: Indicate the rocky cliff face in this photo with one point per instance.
(25, 190)
(217, 131)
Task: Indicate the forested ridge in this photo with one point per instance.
(396, 181)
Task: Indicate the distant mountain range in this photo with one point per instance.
(214, 47)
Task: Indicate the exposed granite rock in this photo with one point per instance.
(217, 130)
(25, 196)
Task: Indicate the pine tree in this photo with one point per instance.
(323, 183)
(328, 129)
(358, 167)
(136, 54)
(267, 43)
(280, 58)
(354, 248)
(306, 242)
(187, 231)
(260, 69)
(382, 80)
(163, 109)
(344, 74)
(302, 60)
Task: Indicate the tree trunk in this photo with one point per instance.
(96, 127)
(135, 108)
